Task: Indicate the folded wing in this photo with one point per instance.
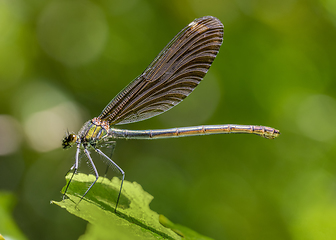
(171, 77)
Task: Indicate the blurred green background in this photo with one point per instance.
(61, 62)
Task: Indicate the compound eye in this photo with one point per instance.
(69, 140)
(72, 138)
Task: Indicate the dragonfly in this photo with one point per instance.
(171, 77)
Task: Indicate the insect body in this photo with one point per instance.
(170, 78)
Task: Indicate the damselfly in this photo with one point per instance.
(170, 78)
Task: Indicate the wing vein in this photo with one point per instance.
(172, 75)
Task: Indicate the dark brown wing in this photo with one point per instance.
(171, 77)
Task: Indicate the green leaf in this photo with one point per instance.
(133, 219)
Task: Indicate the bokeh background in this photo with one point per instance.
(61, 62)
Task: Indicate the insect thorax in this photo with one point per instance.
(92, 132)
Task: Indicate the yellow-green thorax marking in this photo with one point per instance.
(93, 131)
(90, 134)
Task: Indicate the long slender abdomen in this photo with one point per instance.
(266, 132)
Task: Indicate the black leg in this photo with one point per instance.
(112, 145)
(75, 168)
(120, 170)
(96, 174)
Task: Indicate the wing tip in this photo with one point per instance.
(209, 21)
